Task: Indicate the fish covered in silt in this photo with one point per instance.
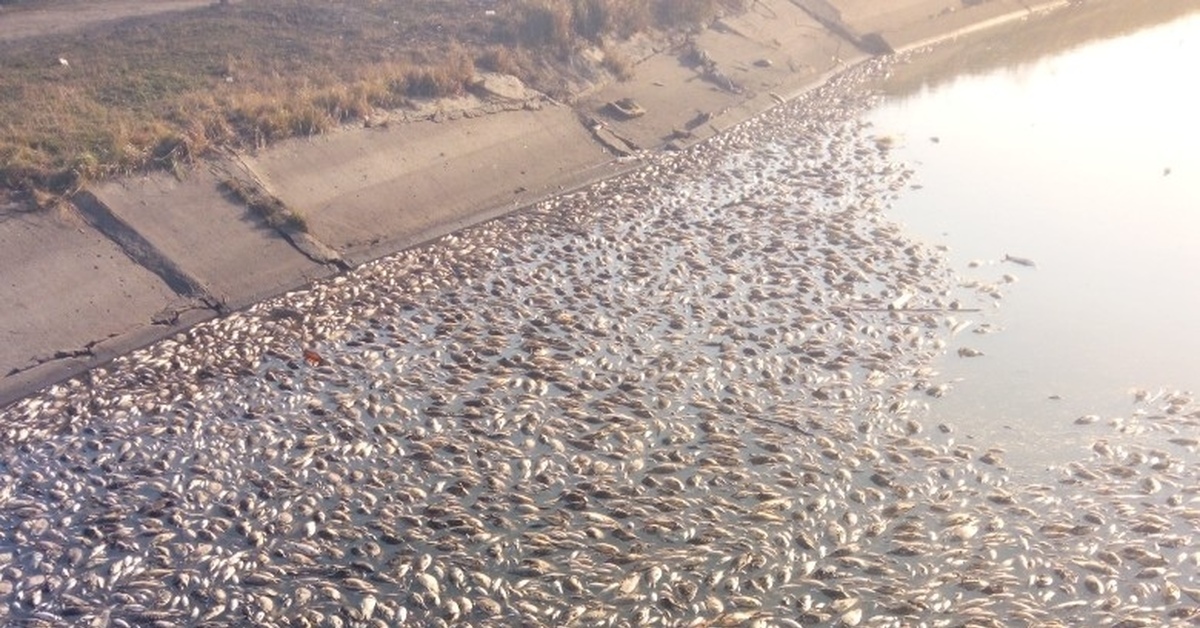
(672, 398)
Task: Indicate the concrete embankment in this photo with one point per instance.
(142, 258)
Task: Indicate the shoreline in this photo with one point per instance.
(154, 255)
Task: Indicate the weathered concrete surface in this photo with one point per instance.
(67, 293)
(774, 51)
(374, 192)
(237, 258)
(503, 88)
(1024, 41)
(906, 23)
(688, 89)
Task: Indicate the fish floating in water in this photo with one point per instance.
(1021, 261)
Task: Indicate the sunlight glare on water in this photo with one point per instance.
(1086, 163)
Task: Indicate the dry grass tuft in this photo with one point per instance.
(629, 17)
(504, 60)
(449, 77)
(618, 64)
(545, 23)
(685, 12)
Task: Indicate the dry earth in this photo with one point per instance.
(48, 17)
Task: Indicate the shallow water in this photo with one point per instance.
(1085, 163)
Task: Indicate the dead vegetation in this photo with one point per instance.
(163, 92)
(272, 210)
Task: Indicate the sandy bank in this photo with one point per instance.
(140, 259)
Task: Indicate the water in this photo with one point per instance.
(1086, 163)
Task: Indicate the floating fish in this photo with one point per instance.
(1021, 261)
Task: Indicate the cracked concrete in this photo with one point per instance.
(229, 252)
(372, 192)
(65, 285)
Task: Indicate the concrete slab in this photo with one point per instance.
(908, 23)
(661, 84)
(774, 48)
(797, 47)
(370, 192)
(234, 254)
(799, 51)
(869, 16)
(65, 289)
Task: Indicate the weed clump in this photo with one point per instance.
(502, 59)
(449, 77)
(564, 24)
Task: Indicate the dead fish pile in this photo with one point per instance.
(652, 401)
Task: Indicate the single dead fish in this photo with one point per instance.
(1020, 261)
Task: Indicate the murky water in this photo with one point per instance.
(1087, 164)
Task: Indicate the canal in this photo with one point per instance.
(1085, 163)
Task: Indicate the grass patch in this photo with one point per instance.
(162, 92)
(502, 59)
(618, 64)
(448, 77)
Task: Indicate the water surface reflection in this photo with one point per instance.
(1085, 162)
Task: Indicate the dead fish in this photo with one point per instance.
(1020, 261)
(312, 357)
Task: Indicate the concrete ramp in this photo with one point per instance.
(229, 250)
(370, 193)
(830, 17)
(906, 23)
(721, 76)
(71, 298)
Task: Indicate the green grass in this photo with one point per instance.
(162, 92)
